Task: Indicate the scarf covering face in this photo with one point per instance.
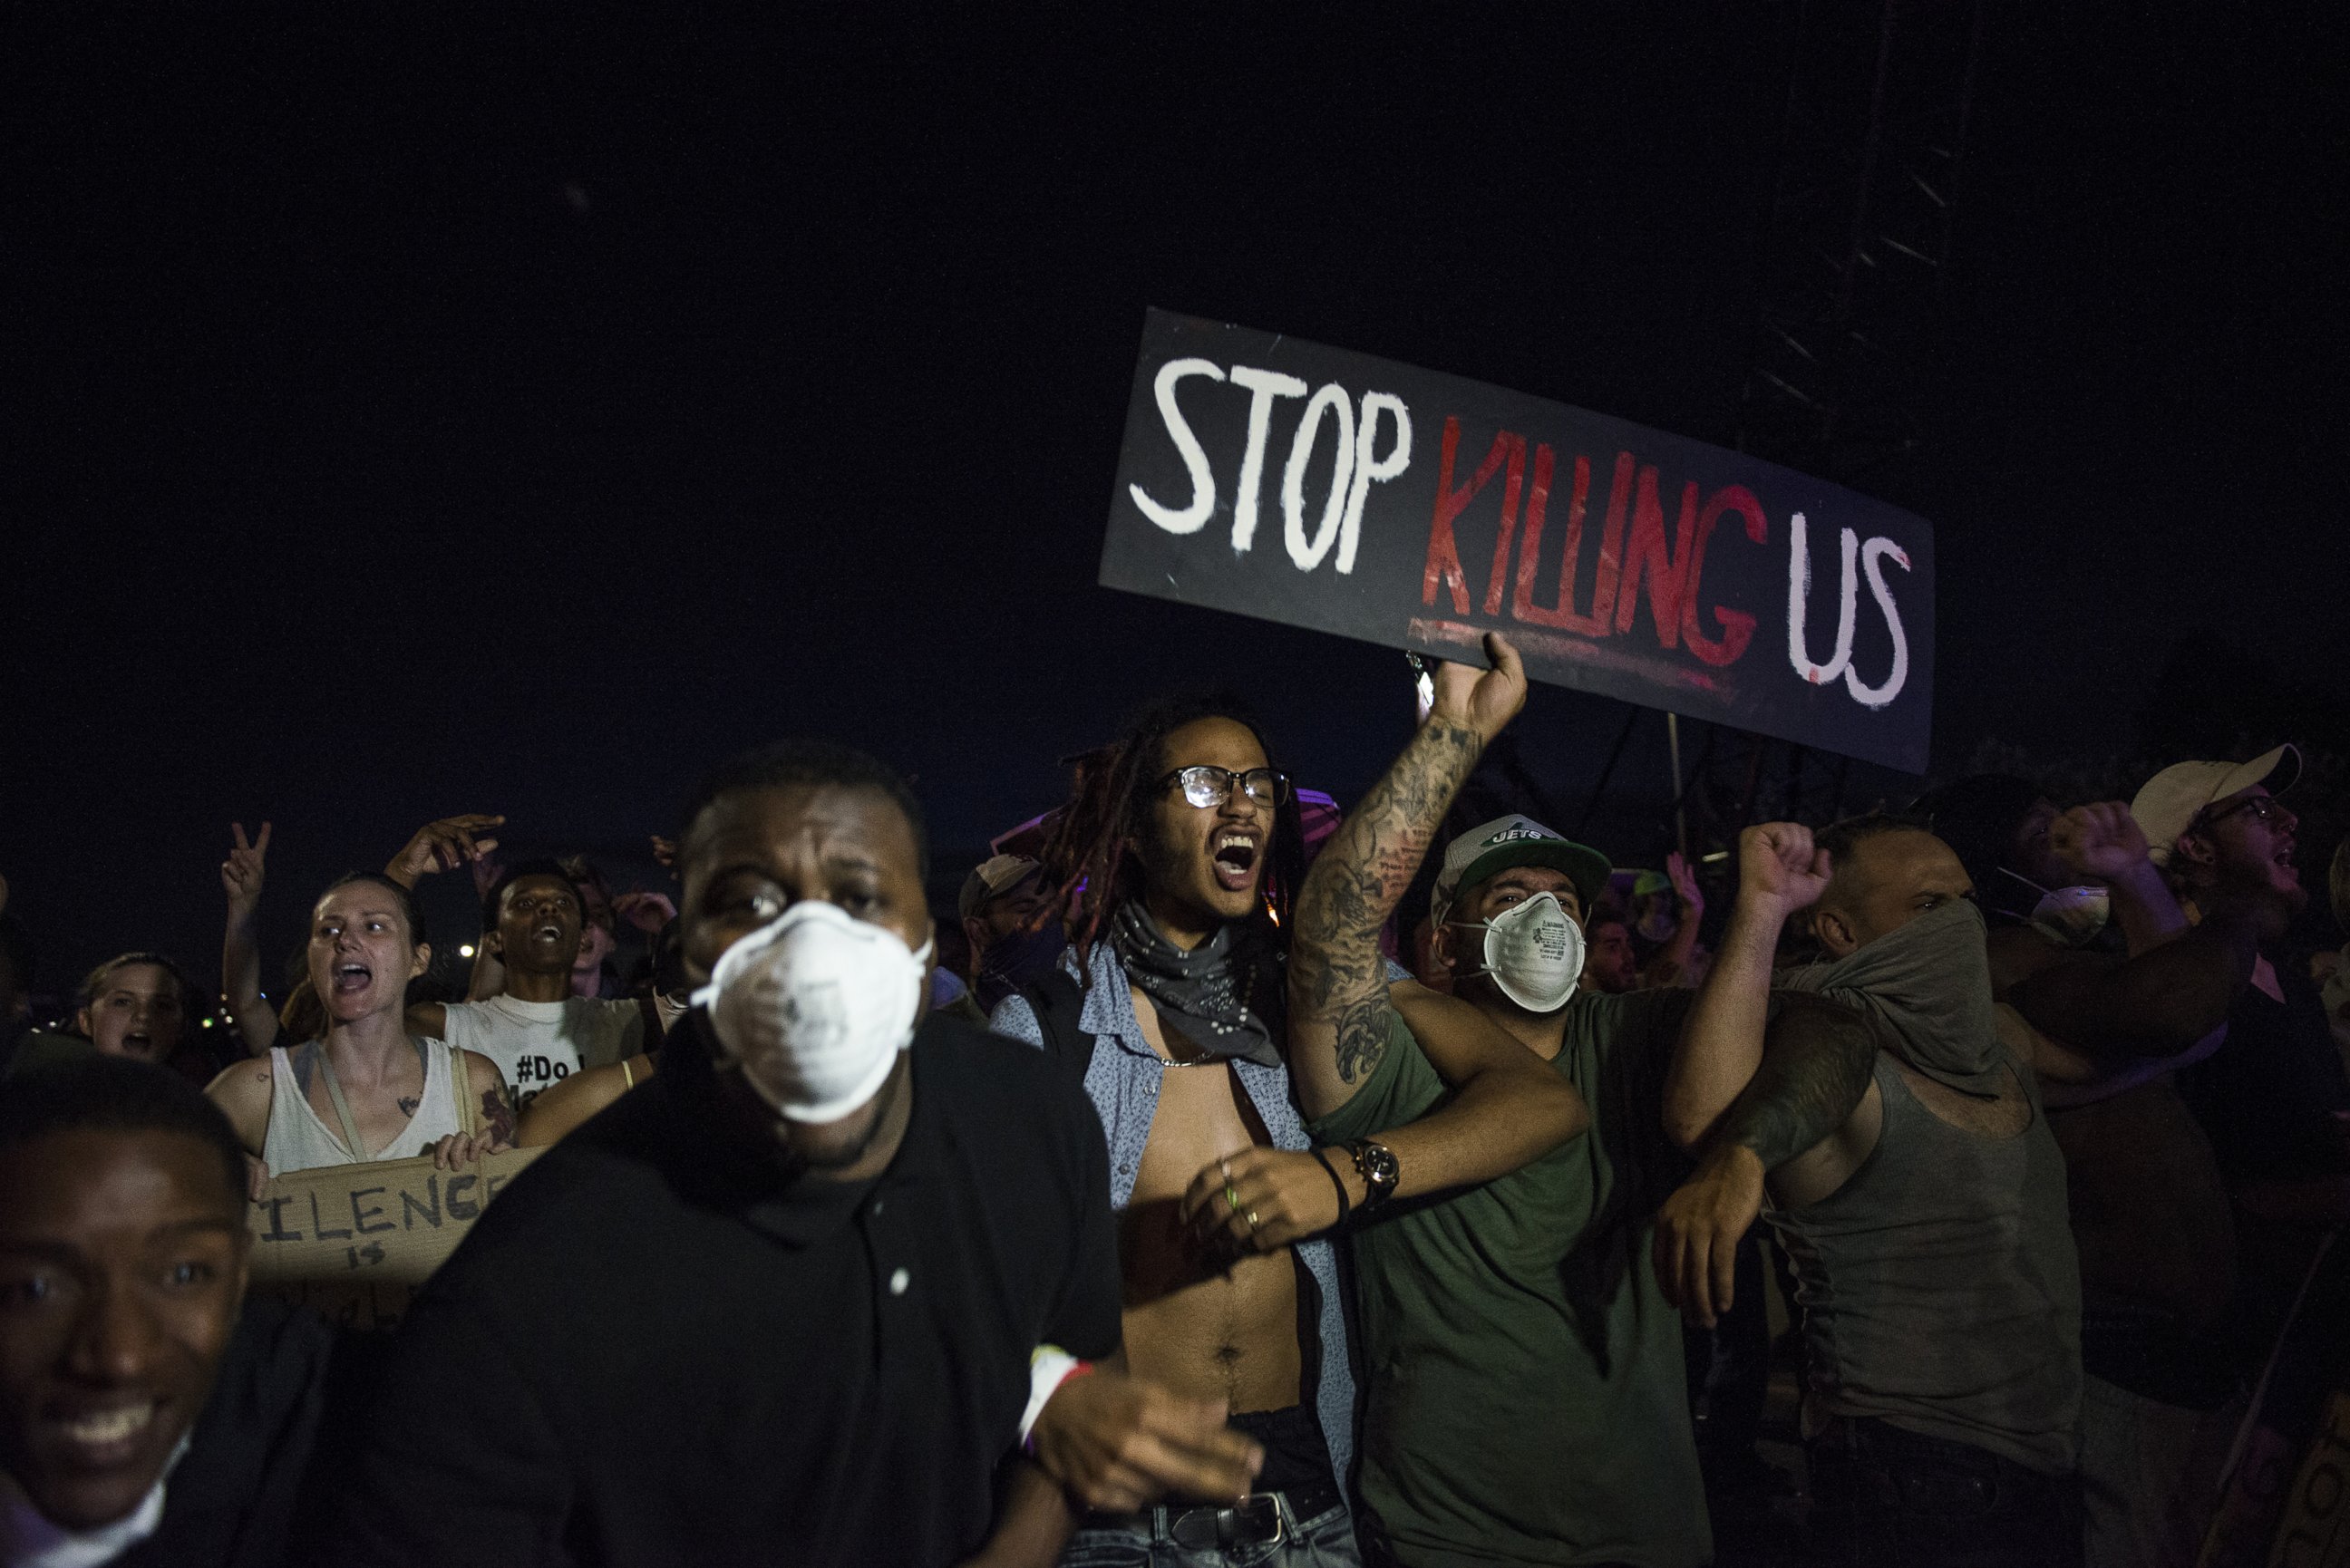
(1223, 996)
(1925, 990)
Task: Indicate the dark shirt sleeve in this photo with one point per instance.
(458, 1464)
(2269, 1096)
(1084, 1317)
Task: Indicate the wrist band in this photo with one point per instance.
(1049, 1366)
(1345, 1205)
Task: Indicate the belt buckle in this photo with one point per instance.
(1256, 1521)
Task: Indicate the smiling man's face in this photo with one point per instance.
(122, 1263)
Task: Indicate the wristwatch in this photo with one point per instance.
(1376, 1163)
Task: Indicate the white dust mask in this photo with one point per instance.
(2068, 917)
(1534, 953)
(823, 1003)
(2071, 916)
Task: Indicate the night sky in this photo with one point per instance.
(406, 419)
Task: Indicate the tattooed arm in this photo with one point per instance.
(493, 1117)
(1507, 1106)
(1338, 1003)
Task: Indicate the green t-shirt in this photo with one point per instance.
(1528, 1401)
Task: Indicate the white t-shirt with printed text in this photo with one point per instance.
(538, 1044)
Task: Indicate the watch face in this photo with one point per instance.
(1379, 1165)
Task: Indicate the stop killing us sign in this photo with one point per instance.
(1330, 490)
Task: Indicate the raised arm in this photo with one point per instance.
(1507, 1106)
(2103, 843)
(1779, 872)
(1338, 1003)
(241, 880)
(441, 846)
(2176, 989)
(1807, 1101)
(1671, 960)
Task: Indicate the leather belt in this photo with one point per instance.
(1256, 1521)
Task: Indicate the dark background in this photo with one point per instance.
(406, 418)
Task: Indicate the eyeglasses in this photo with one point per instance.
(1206, 786)
(2263, 807)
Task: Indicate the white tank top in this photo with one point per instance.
(298, 1140)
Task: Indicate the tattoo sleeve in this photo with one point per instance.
(1817, 1062)
(1338, 980)
(497, 1116)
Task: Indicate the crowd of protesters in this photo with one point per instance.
(1200, 1208)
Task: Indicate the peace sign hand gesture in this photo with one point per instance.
(241, 873)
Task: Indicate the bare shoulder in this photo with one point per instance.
(242, 1092)
(482, 1074)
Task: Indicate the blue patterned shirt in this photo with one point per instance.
(1123, 1080)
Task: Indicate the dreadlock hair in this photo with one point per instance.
(1090, 853)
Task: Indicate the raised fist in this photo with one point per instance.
(2099, 843)
(1778, 861)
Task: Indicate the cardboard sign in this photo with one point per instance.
(2286, 1497)
(355, 1241)
(1325, 489)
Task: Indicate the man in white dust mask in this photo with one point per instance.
(844, 1216)
(1526, 1401)
(1509, 908)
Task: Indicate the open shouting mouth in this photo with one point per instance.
(1235, 859)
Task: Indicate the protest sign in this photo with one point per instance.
(355, 1241)
(2286, 1497)
(1326, 489)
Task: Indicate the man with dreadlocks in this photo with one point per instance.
(1182, 848)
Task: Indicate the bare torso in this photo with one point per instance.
(1194, 1321)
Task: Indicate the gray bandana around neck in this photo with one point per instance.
(1926, 989)
(1220, 995)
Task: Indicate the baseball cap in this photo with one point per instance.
(1515, 840)
(2172, 799)
(991, 879)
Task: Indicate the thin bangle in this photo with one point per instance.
(1345, 1206)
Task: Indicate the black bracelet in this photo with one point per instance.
(1345, 1206)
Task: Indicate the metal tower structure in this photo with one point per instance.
(1848, 329)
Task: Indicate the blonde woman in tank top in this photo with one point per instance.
(366, 1089)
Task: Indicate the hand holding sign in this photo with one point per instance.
(1484, 700)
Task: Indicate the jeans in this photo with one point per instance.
(1177, 1536)
(2150, 1475)
(1881, 1495)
